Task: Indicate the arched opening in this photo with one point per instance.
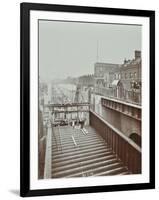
(118, 88)
(136, 138)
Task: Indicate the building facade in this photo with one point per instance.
(103, 74)
(86, 80)
(127, 79)
(120, 81)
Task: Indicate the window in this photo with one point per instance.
(125, 75)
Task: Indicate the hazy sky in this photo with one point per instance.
(70, 48)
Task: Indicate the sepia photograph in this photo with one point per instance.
(87, 99)
(90, 99)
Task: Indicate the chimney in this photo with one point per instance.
(137, 54)
(125, 61)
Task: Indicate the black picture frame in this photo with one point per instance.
(25, 9)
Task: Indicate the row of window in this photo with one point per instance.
(126, 75)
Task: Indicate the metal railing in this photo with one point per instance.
(128, 152)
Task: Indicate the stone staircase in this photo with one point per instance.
(82, 153)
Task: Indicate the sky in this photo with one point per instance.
(70, 48)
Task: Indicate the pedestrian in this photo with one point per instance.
(73, 124)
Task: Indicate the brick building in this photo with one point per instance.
(103, 74)
(120, 81)
(127, 79)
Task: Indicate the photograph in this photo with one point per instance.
(87, 99)
(90, 99)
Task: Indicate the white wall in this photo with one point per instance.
(9, 101)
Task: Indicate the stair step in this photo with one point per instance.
(79, 142)
(84, 162)
(65, 142)
(87, 140)
(114, 171)
(67, 131)
(76, 148)
(83, 166)
(99, 169)
(125, 172)
(80, 135)
(75, 152)
(84, 155)
(107, 155)
(79, 146)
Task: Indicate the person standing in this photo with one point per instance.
(73, 124)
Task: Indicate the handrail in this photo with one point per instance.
(122, 102)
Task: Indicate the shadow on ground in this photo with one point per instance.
(15, 192)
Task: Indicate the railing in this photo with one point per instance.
(128, 109)
(125, 95)
(41, 156)
(41, 149)
(128, 152)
